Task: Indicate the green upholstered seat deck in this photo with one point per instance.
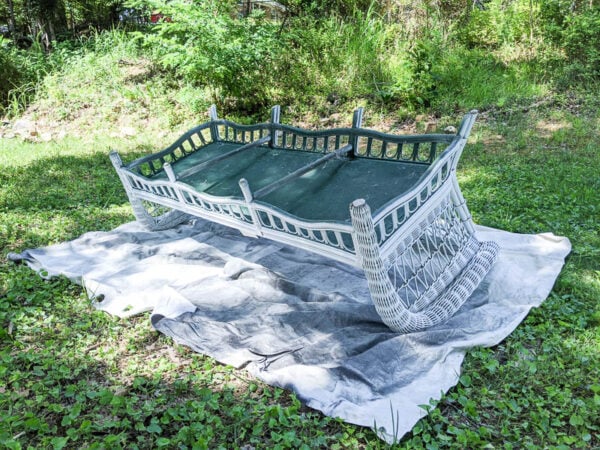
(322, 194)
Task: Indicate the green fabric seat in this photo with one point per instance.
(322, 194)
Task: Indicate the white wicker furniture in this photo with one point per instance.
(315, 190)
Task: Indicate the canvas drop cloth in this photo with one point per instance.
(301, 321)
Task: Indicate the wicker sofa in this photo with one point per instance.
(390, 204)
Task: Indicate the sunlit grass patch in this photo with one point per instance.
(479, 80)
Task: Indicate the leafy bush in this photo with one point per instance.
(582, 45)
(497, 23)
(250, 63)
(554, 15)
(480, 31)
(413, 67)
(425, 56)
(321, 8)
(205, 45)
(573, 26)
(10, 76)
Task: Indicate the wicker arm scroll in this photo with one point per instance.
(432, 274)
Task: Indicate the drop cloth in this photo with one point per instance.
(301, 321)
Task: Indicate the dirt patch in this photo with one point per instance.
(546, 128)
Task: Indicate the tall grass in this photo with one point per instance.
(20, 74)
(26, 73)
(364, 45)
(479, 79)
(409, 68)
(91, 76)
(107, 82)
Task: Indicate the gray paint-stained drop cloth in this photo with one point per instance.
(301, 321)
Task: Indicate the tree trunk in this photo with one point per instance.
(47, 19)
(12, 26)
(51, 32)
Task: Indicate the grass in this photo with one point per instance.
(539, 388)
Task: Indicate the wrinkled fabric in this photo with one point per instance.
(298, 320)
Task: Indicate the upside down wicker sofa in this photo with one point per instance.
(389, 204)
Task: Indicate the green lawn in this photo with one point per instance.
(76, 378)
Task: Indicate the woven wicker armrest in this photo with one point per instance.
(430, 274)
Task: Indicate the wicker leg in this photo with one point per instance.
(153, 216)
(156, 217)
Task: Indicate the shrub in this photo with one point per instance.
(497, 23)
(203, 44)
(581, 39)
(10, 75)
(414, 69)
(554, 15)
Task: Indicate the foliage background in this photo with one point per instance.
(402, 56)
